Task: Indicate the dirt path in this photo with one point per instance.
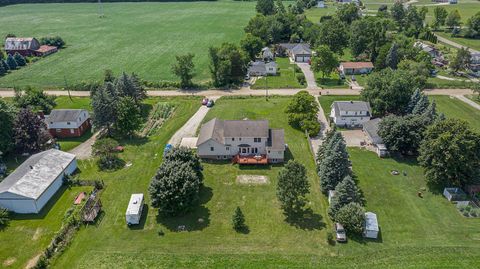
(190, 127)
(84, 150)
(453, 43)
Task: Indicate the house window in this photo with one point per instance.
(51, 122)
(227, 148)
(212, 149)
(233, 138)
(68, 123)
(239, 139)
(257, 140)
(58, 130)
(72, 131)
(269, 152)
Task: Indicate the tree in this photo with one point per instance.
(5, 65)
(56, 41)
(292, 187)
(184, 68)
(352, 217)
(227, 64)
(175, 188)
(129, 117)
(473, 24)
(324, 147)
(476, 89)
(104, 107)
(185, 155)
(35, 99)
(4, 217)
(7, 118)
(392, 59)
(324, 61)
(440, 15)
(238, 220)
(414, 21)
(29, 132)
(265, 7)
(108, 76)
(398, 13)
(333, 33)
(3, 71)
(12, 64)
(302, 112)
(380, 61)
(414, 99)
(403, 133)
(461, 61)
(252, 45)
(418, 70)
(421, 106)
(130, 86)
(104, 146)
(453, 19)
(335, 166)
(368, 35)
(19, 59)
(348, 12)
(450, 154)
(346, 192)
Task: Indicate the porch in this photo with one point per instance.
(250, 159)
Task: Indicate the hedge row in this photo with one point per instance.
(14, 2)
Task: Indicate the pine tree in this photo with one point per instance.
(346, 192)
(421, 106)
(392, 59)
(4, 217)
(12, 64)
(130, 86)
(413, 101)
(104, 108)
(20, 60)
(292, 187)
(238, 220)
(2, 69)
(5, 65)
(329, 135)
(334, 167)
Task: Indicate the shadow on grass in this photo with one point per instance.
(362, 240)
(243, 230)
(195, 220)
(133, 141)
(45, 210)
(143, 219)
(305, 220)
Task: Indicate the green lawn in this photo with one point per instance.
(468, 42)
(466, 8)
(285, 78)
(454, 108)
(134, 37)
(331, 82)
(314, 14)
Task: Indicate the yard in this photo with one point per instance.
(468, 42)
(285, 78)
(133, 37)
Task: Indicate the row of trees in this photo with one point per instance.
(11, 62)
(302, 111)
(453, 20)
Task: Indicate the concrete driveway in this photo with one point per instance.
(84, 150)
(353, 138)
(309, 76)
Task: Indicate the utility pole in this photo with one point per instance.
(266, 88)
(100, 9)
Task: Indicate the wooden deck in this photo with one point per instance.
(250, 159)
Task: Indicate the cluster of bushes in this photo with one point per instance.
(175, 188)
(469, 211)
(11, 62)
(55, 41)
(333, 167)
(4, 217)
(302, 113)
(106, 150)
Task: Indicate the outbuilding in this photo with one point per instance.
(370, 128)
(134, 209)
(355, 68)
(35, 181)
(454, 194)
(371, 229)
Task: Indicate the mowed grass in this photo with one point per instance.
(133, 37)
(468, 42)
(466, 8)
(455, 108)
(285, 78)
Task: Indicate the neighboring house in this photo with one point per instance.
(267, 54)
(260, 68)
(437, 56)
(298, 52)
(446, 1)
(355, 68)
(243, 141)
(475, 62)
(28, 46)
(35, 181)
(350, 113)
(371, 131)
(68, 122)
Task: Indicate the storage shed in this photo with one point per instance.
(371, 226)
(36, 180)
(454, 194)
(134, 210)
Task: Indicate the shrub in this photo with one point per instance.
(330, 239)
(110, 162)
(352, 216)
(301, 78)
(104, 146)
(4, 217)
(53, 41)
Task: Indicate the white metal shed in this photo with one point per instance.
(371, 226)
(35, 181)
(134, 210)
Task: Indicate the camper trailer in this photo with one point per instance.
(134, 210)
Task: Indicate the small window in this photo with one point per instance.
(233, 138)
(227, 148)
(72, 131)
(212, 149)
(51, 122)
(68, 123)
(240, 139)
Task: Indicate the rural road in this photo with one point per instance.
(453, 43)
(84, 150)
(190, 127)
(468, 101)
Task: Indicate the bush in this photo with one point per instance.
(104, 146)
(238, 220)
(4, 217)
(53, 41)
(301, 78)
(330, 239)
(352, 216)
(110, 162)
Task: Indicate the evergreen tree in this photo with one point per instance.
(30, 132)
(108, 76)
(7, 118)
(20, 60)
(421, 106)
(130, 86)
(12, 64)
(4, 217)
(392, 59)
(128, 116)
(265, 7)
(238, 220)
(5, 65)
(431, 115)
(104, 108)
(292, 187)
(324, 146)
(414, 99)
(3, 71)
(346, 192)
(334, 167)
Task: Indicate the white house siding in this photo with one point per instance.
(219, 150)
(275, 155)
(350, 118)
(355, 71)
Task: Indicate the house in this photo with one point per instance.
(29, 188)
(370, 128)
(370, 229)
(350, 113)
(68, 122)
(437, 56)
(298, 52)
(475, 62)
(243, 141)
(260, 68)
(355, 68)
(27, 46)
(267, 54)
(134, 209)
(344, 1)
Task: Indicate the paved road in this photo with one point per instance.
(454, 44)
(190, 127)
(309, 76)
(84, 150)
(468, 101)
(315, 142)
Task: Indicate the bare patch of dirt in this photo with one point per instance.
(32, 262)
(9, 261)
(252, 179)
(37, 234)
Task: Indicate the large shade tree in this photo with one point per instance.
(29, 132)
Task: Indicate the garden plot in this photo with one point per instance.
(252, 179)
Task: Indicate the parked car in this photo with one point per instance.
(205, 101)
(167, 148)
(210, 103)
(247, 77)
(353, 78)
(340, 234)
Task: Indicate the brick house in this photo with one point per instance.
(68, 122)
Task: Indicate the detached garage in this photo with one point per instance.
(35, 181)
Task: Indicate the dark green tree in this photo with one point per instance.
(334, 167)
(421, 106)
(12, 64)
(414, 99)
(265, 7)
(130, 85)
(185, 155)
(453, 19)
(227, 64)
(7, 118)
(5, 65)
(368, 35)
(108, 76)
(302, 113)
(35, 99)
(4, 217)
(128, 116)
(403, 133)
(292, 187)
(184, 68)
(325, 61)
(392, 59)
(238, 220)
(3, 71)
(398, 13)
(352, 216)
(333, 34)
(473, 24)
(20, 60)
(461, 61)
(104, 108)
(29, 132)
(348, 12)
(252, 45)
(440, 16)
(346, 192)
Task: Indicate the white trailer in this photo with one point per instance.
(134, 210)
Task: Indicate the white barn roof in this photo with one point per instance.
(37, 173)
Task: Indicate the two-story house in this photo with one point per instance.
(350, 113)
(68, 122)
(243, 141)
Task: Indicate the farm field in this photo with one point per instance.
(133, 37)
(285, 78)
(466, 8)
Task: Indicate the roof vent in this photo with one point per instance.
(31, 167)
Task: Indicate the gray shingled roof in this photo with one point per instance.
(212, 129)
(301, 48)
(351, 106)
(37, 173)
(276, 139)
(371, 128)
(64, 115)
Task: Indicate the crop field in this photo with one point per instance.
(133, 37)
